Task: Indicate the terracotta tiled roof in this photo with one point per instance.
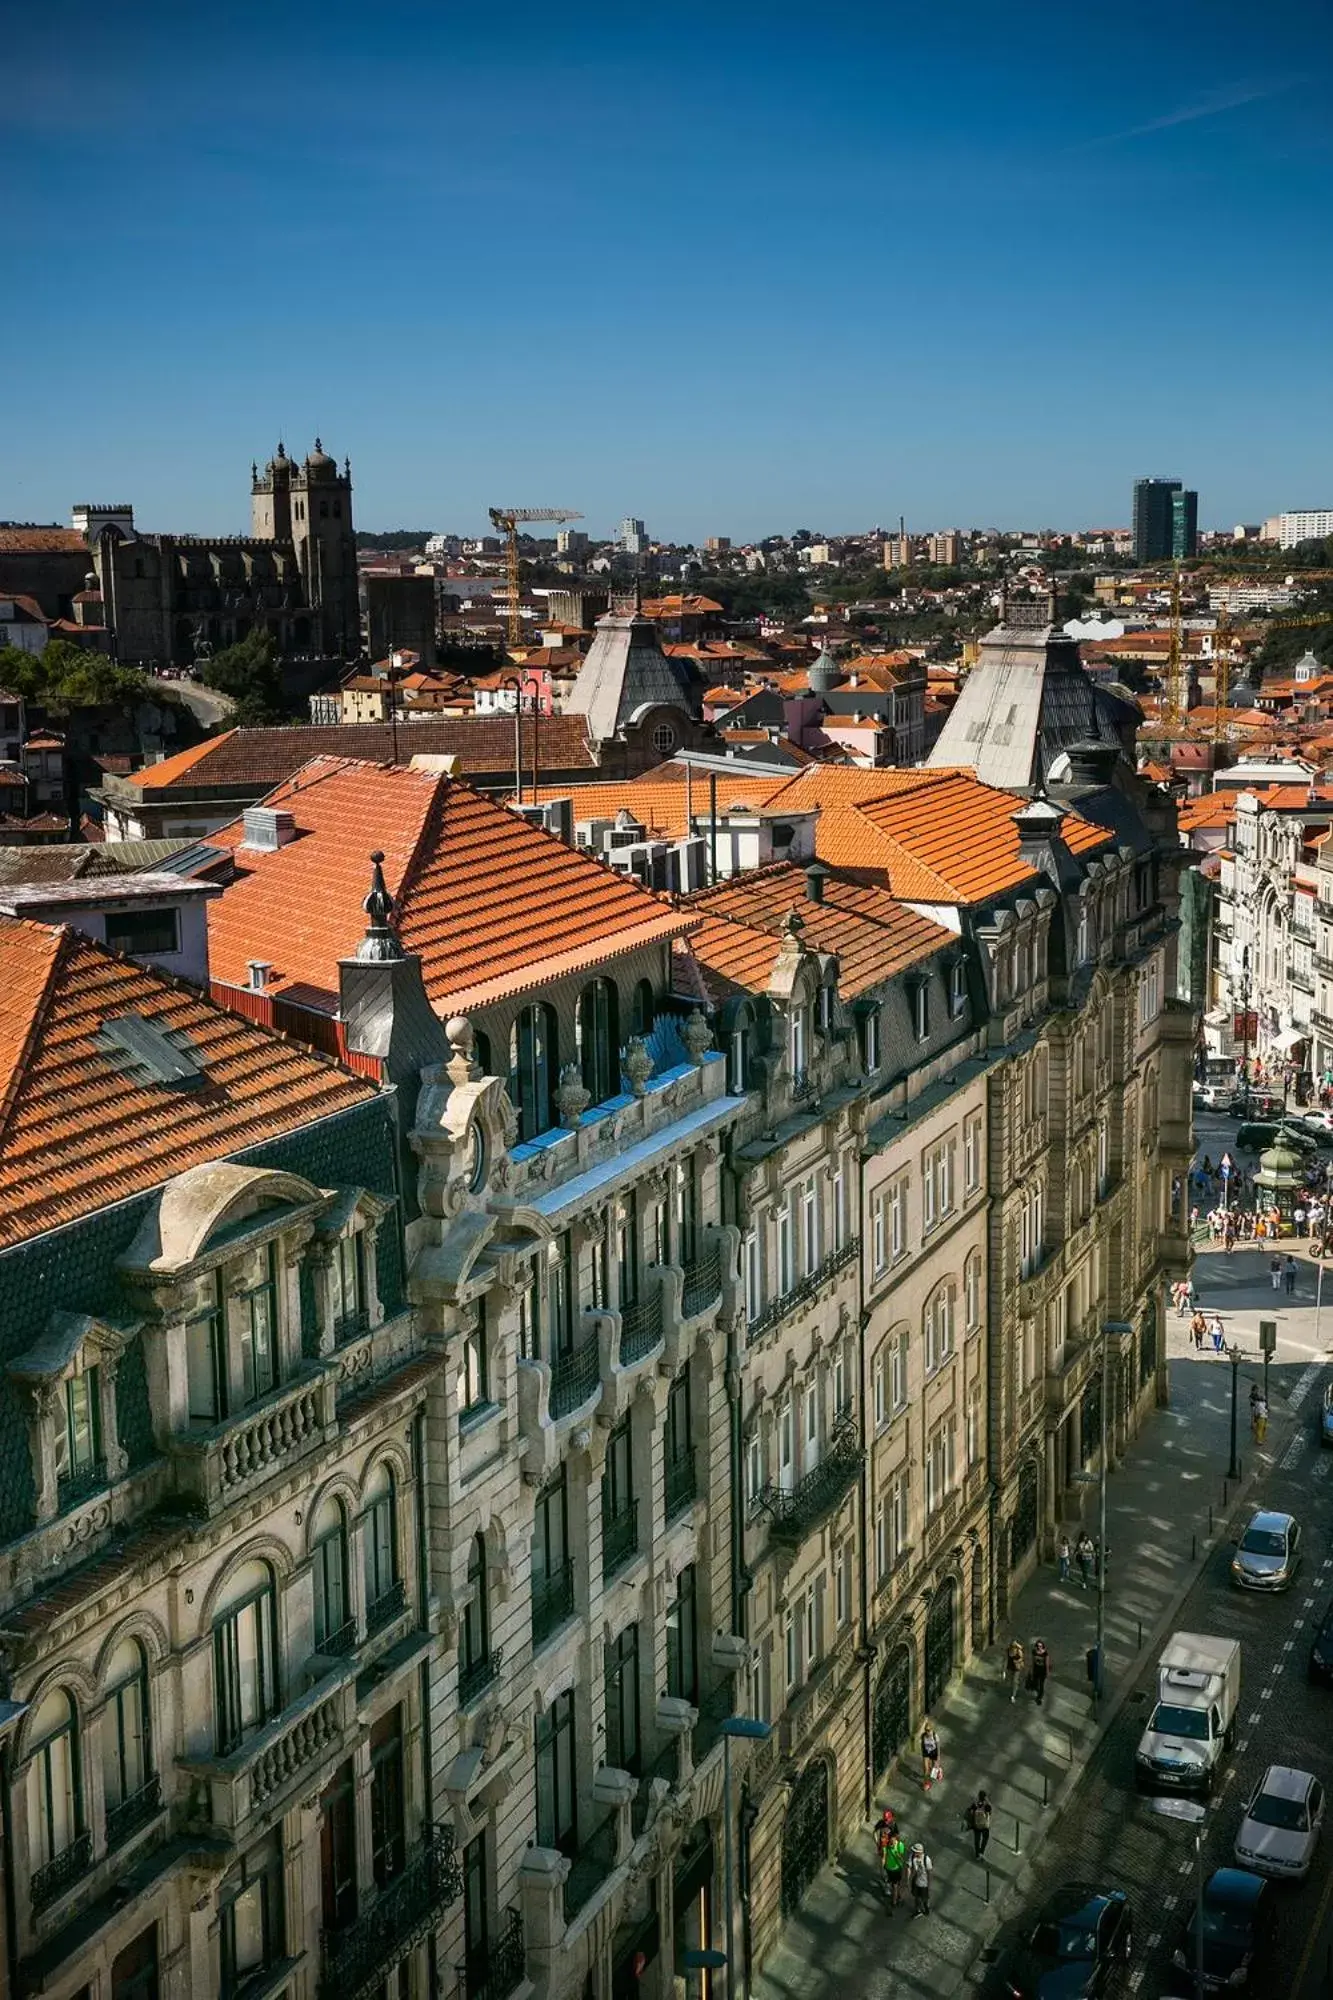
(873, 935)
(492, 904)
(658, 802)
(41, 541)
(672, 607)
(77, 1132)
(1212, 809)
(270, 756)
(28, 605)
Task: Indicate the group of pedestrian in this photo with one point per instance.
(1207, 1328)
(1038, 1669)
(1282, 1271)
(1085, 1553)
(910, 1863)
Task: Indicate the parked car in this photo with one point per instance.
(1318, 1121)
(1215, 1096)
(1258, 1135)
(1326, 1417)
(1282, 1824)
(1321, 1649)
(1239, 1919)
(1070, 1948)
(1268, 1554)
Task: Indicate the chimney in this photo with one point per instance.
(266, 829)
(1038, 821)
(815, 877)
(1092, 763)
(259, 970)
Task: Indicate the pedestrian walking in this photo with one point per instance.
(1013, 1667)
(931, 1768)
(1216, 1333)
(893, 1860)
(920, 1868)
(977, 1819)
(1259, 1420)
(1289, 1276)
(1198, 1328)
(1041, 1667)
(1298, 1217)
(1275, 1273)
(1064, 1556)
(1083, 1555)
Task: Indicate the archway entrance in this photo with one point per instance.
(805, 1836)
(940, 1641)
(891, 1718)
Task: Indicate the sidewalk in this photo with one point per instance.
(1029, 1759)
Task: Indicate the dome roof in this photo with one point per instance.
(279, 466)
(319, 465)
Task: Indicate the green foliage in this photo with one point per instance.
(248, 672)
(748, 596)
(394, 538)
(64, 676)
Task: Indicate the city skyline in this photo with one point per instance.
(902, 268)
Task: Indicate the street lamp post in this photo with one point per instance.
(746, 1726)
(1235, 1357)
(1245, 1030)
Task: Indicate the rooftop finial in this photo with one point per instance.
(319, 444)
(380, 940)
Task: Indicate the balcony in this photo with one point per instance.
(576, 1377)
(478, 1675)
(666, 1766)
(133, 1814)
(390, 1604)
(288, 1752)
(794, 1514)
(73, 1488)
(620, 1539)
(590, 1867)
(640, 1328)
(808, 1288)
(339, 1644)
(52, 1880)
(495, 1970)
(702, 1287)
(713, 1712)
(214, 1467)
(681, 1485)
(552, 1602)
(350, 1326)
(357, 1961)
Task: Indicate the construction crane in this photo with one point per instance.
(506, 520)
(1175, 687)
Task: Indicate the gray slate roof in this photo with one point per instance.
(625, 671)
(1026, 702)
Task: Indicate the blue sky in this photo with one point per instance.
(736, 269)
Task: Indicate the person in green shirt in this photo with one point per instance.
(893, 1856)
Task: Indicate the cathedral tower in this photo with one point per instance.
(325, 542)
(271, 498)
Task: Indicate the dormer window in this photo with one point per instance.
(800, 1032)
(68, 1380)
(957, 989)
(921, 1011)
(82, 1436)
(205, 1357)
(347, 1277)
(259, 1330)
(870, 1041)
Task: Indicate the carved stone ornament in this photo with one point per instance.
(637, 1064)
(572, 1099)
(697, 1036)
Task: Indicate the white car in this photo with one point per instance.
(1282, 1824)
(1318, 1121)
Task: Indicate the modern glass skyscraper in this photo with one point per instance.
(1184, 522)
(1154, 511)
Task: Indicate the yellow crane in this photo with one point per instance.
(506, 520)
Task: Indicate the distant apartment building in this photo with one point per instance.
(718, 545)
(1184, 523)
(945, 548)
(572, 541)
(632, 537)
(1302, 524)
(1251, 596)
(897, 551)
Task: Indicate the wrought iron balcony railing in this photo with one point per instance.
(56, 1876)
(357, 1961)
(575, 1376)
(552, 1602)
(703, 1284)
(132, 1814)
(350, 1326)
(796, 1511)
(474, 1678)
(74, 1487)
(640, 1328)
(681, 1484)
(804, 1289)
(620, 1538)
(494, 1970)
(340, 1642)
(387, 1606)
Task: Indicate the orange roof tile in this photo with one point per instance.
(658, 801)
(78, 1132)
(156, 777)
(491, 904)
(873, 934)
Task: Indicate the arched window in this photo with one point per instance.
(55, 1801)
(245, 1657)
(799, 1039)
(481, 1050)
(642, 1010)
(127, 1753)
(534, 1069)
(335, 1627)
(598, 1040)
(384, 1594)
(476, 1668)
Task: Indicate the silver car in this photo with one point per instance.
(1268, 1555)
(1282, 1824)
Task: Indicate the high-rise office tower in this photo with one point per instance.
(1154, 518)
(1184, 522)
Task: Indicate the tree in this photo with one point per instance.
(248, 672)
(64, 676)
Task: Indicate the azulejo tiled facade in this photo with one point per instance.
(397, 1506)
